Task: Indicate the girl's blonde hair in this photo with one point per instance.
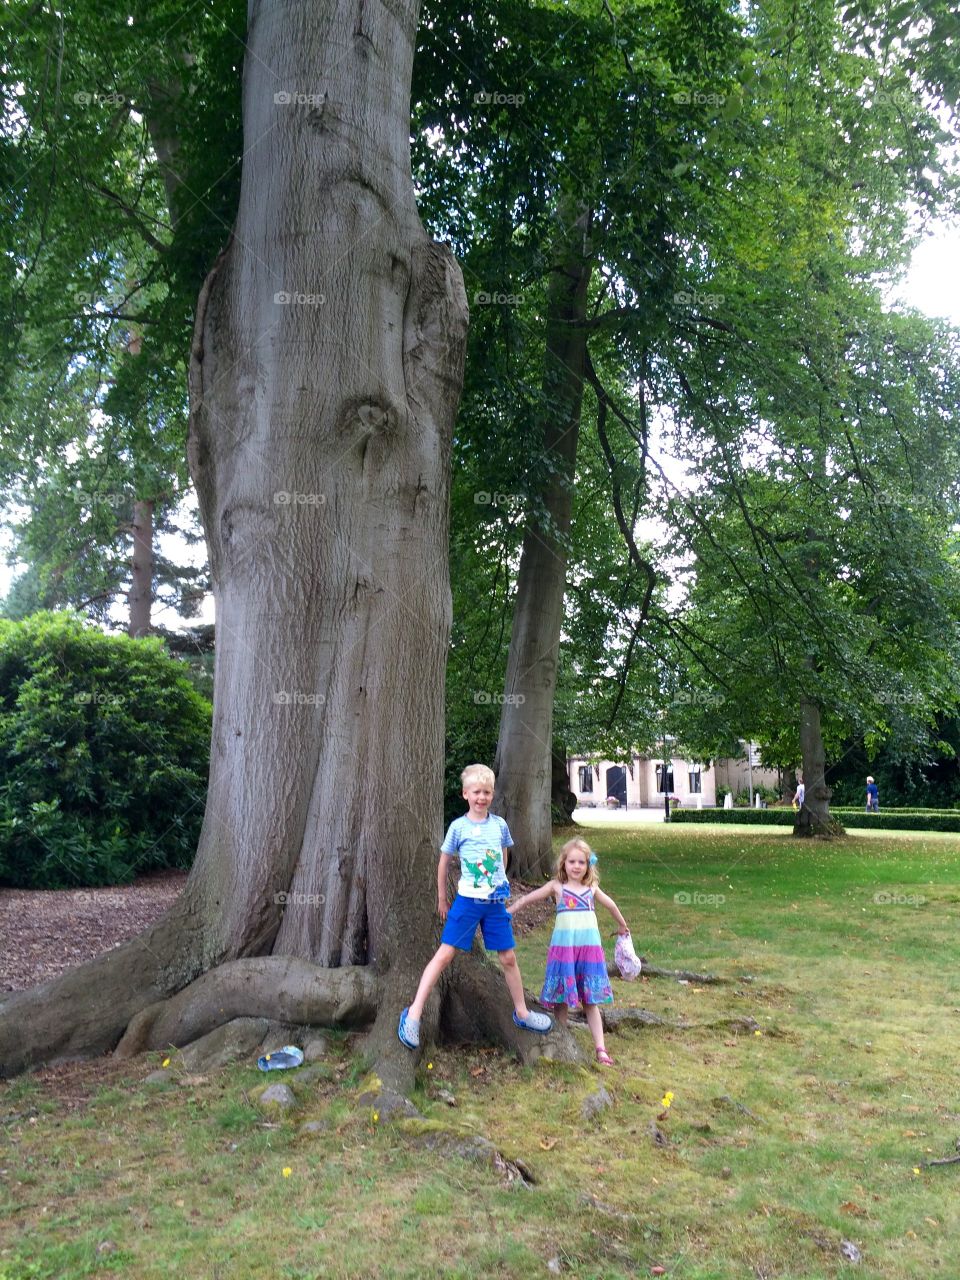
(590, 878)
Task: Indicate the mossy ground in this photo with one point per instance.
(852, 954)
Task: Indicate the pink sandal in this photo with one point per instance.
(604, 1058)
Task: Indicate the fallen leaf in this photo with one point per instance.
(547, 1144)
(849, 1206)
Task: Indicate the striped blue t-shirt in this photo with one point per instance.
(479, 846)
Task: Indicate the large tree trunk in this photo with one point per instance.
(523, 765)
(813, 818)
(140, 598)
(325, 374)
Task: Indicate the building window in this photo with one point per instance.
(586, 778)
(694, 779)
(661, 786)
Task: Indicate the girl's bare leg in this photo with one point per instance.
(595, 1023)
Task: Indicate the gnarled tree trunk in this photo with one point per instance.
(325, 374)
(524, 765)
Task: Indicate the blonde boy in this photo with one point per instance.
(480, 840)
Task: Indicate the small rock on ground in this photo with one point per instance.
(278, 1095)
(595, 1103)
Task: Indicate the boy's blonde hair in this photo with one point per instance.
(474, 773)
(590, 879)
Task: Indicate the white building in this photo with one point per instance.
(640, 783)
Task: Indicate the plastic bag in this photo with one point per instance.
(625, 958)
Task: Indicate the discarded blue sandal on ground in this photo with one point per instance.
(534, 1022)
(408, 1031)
(280, 1059)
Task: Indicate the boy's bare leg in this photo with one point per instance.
(511, 971)
(431, 974)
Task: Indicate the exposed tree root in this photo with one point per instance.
(477, 1007)
(679, 975)
(615, 1019)
(276, 987)
(83, 1012)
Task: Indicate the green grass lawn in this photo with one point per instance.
(780, 1145)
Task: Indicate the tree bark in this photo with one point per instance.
(140, 599)
(523, 762)
(325, 374)
(813, 817)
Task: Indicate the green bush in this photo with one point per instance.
(104, 749)
(889, 820)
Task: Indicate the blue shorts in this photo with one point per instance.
(489, 914)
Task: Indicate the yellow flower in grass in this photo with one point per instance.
(375, 1116)
(667, 1099)
(165, 1062)
(286, 1172)
(429, 1066)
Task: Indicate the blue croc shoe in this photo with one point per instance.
(408, 1031)
(534, 1022)
(280, 1059)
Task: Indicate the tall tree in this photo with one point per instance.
(325, 374)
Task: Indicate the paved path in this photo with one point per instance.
(616, 817)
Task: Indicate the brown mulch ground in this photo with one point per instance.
(46, 931)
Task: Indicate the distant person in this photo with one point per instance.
(801, 795)
(873, 796)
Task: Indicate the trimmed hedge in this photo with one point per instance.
(885, 820)
(104, 750)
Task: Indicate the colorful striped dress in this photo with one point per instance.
(576, 965)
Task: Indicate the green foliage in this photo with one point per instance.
(103, 755)
(884, 821)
